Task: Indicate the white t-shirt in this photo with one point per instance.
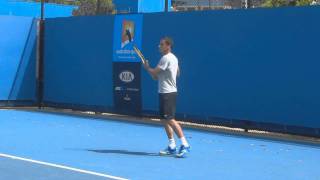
(168, 75)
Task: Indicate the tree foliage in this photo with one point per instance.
(280, 3)
(93, 7)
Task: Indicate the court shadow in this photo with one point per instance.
(125, 152)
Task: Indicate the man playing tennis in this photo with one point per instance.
(166, 73)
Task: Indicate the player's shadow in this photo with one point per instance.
(124, 152)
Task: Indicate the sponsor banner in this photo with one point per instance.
(127, 87)
(127, 33)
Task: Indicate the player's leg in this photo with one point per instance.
(168, 128)
(185, 147)
(174, 125)
(170, 110)
(171, 148)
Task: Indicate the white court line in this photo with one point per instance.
(62, 167)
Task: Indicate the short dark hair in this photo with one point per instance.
(168, 41)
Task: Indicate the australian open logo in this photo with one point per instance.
(126, 76)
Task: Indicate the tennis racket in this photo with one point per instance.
(139, 53)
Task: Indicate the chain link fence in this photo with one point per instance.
(62, 8)
(100, 7)
(196, 5)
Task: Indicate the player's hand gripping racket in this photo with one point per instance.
(139, 53)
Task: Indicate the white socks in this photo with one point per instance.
(184, 141)
(172, 143)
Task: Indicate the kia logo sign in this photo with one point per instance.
(126, 76)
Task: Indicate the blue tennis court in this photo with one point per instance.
(42, 145)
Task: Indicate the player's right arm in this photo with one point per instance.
(152, 71)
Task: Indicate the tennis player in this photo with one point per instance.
(166, 73)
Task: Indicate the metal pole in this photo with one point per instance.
(166, 4)
(40, 58)
(244, 4)
(98, 7)
(42, 9)
(250, 3)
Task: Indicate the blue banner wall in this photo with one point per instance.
(140, 6)
(259, 65)
(126, 5)
(24, 87)
(17, 62)
(148, 6)
(78, 61)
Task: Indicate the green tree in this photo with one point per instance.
(93, 7)
(304, 2)
(275, 3)
(279, 3)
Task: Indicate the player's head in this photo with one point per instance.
(165, 45)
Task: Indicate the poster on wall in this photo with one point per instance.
(127, 33)
(126, 64)
(127, 87)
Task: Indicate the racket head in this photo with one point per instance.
(137, 50)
